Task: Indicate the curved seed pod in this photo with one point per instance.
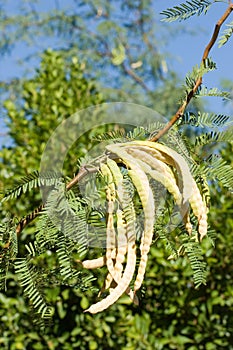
(199, 210)
(116, 173)
(190, 190)
(110, 231)
(121, 245)
(160, 172)
(134, 166)
(170, 157)
(195, 200)
(130, 218)
(194, 195)
(119, 253)
(142, 185)
(126, 278)
(123, 284)
(188, 224)
(94, 263)
(149, 213)
(121, 227)
(120, 257)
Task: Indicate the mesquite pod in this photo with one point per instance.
(190, 190)
(123, 284)
(142, 159)
(122, 241)
(171, 157)
(110, 231)
(142, 185)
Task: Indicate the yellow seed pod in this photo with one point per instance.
(94, 263)
(160, 172)
(190, 190)
(168, 156)
(121, 226)
(143, 158)
(199, 210)
(110, 231)
(147, 236)
(122, 241)
(118, 253)
(142, 185)
(122, 286)
(121, 245)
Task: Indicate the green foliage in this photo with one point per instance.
(227, 33)
(172, 314)
(195, 255)
(166, 299)
(67, 219)
(204, 91)
(58, 90)
(7, 236)
(39, 109)
(214, 136)
(205, 120)
(198, 71)
(186, 10)
(31, 181)
(214, 167)
(118, 40)
(29, 280)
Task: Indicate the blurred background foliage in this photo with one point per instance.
(100, 44)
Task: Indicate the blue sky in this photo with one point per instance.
(203, 27)
(186, 49)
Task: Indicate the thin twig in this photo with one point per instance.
(84, 171)
(135, 77)
(29, 218)
(198, 83)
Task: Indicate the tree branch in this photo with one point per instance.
(84, 171)
(135, 77)
(29, 218)
(182, 108)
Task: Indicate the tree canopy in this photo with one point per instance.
(45, 255)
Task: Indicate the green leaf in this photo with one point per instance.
(118, 55)
(227, 33)
(186, 10)
(205, 120)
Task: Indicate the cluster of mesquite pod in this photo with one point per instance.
(144, 160)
